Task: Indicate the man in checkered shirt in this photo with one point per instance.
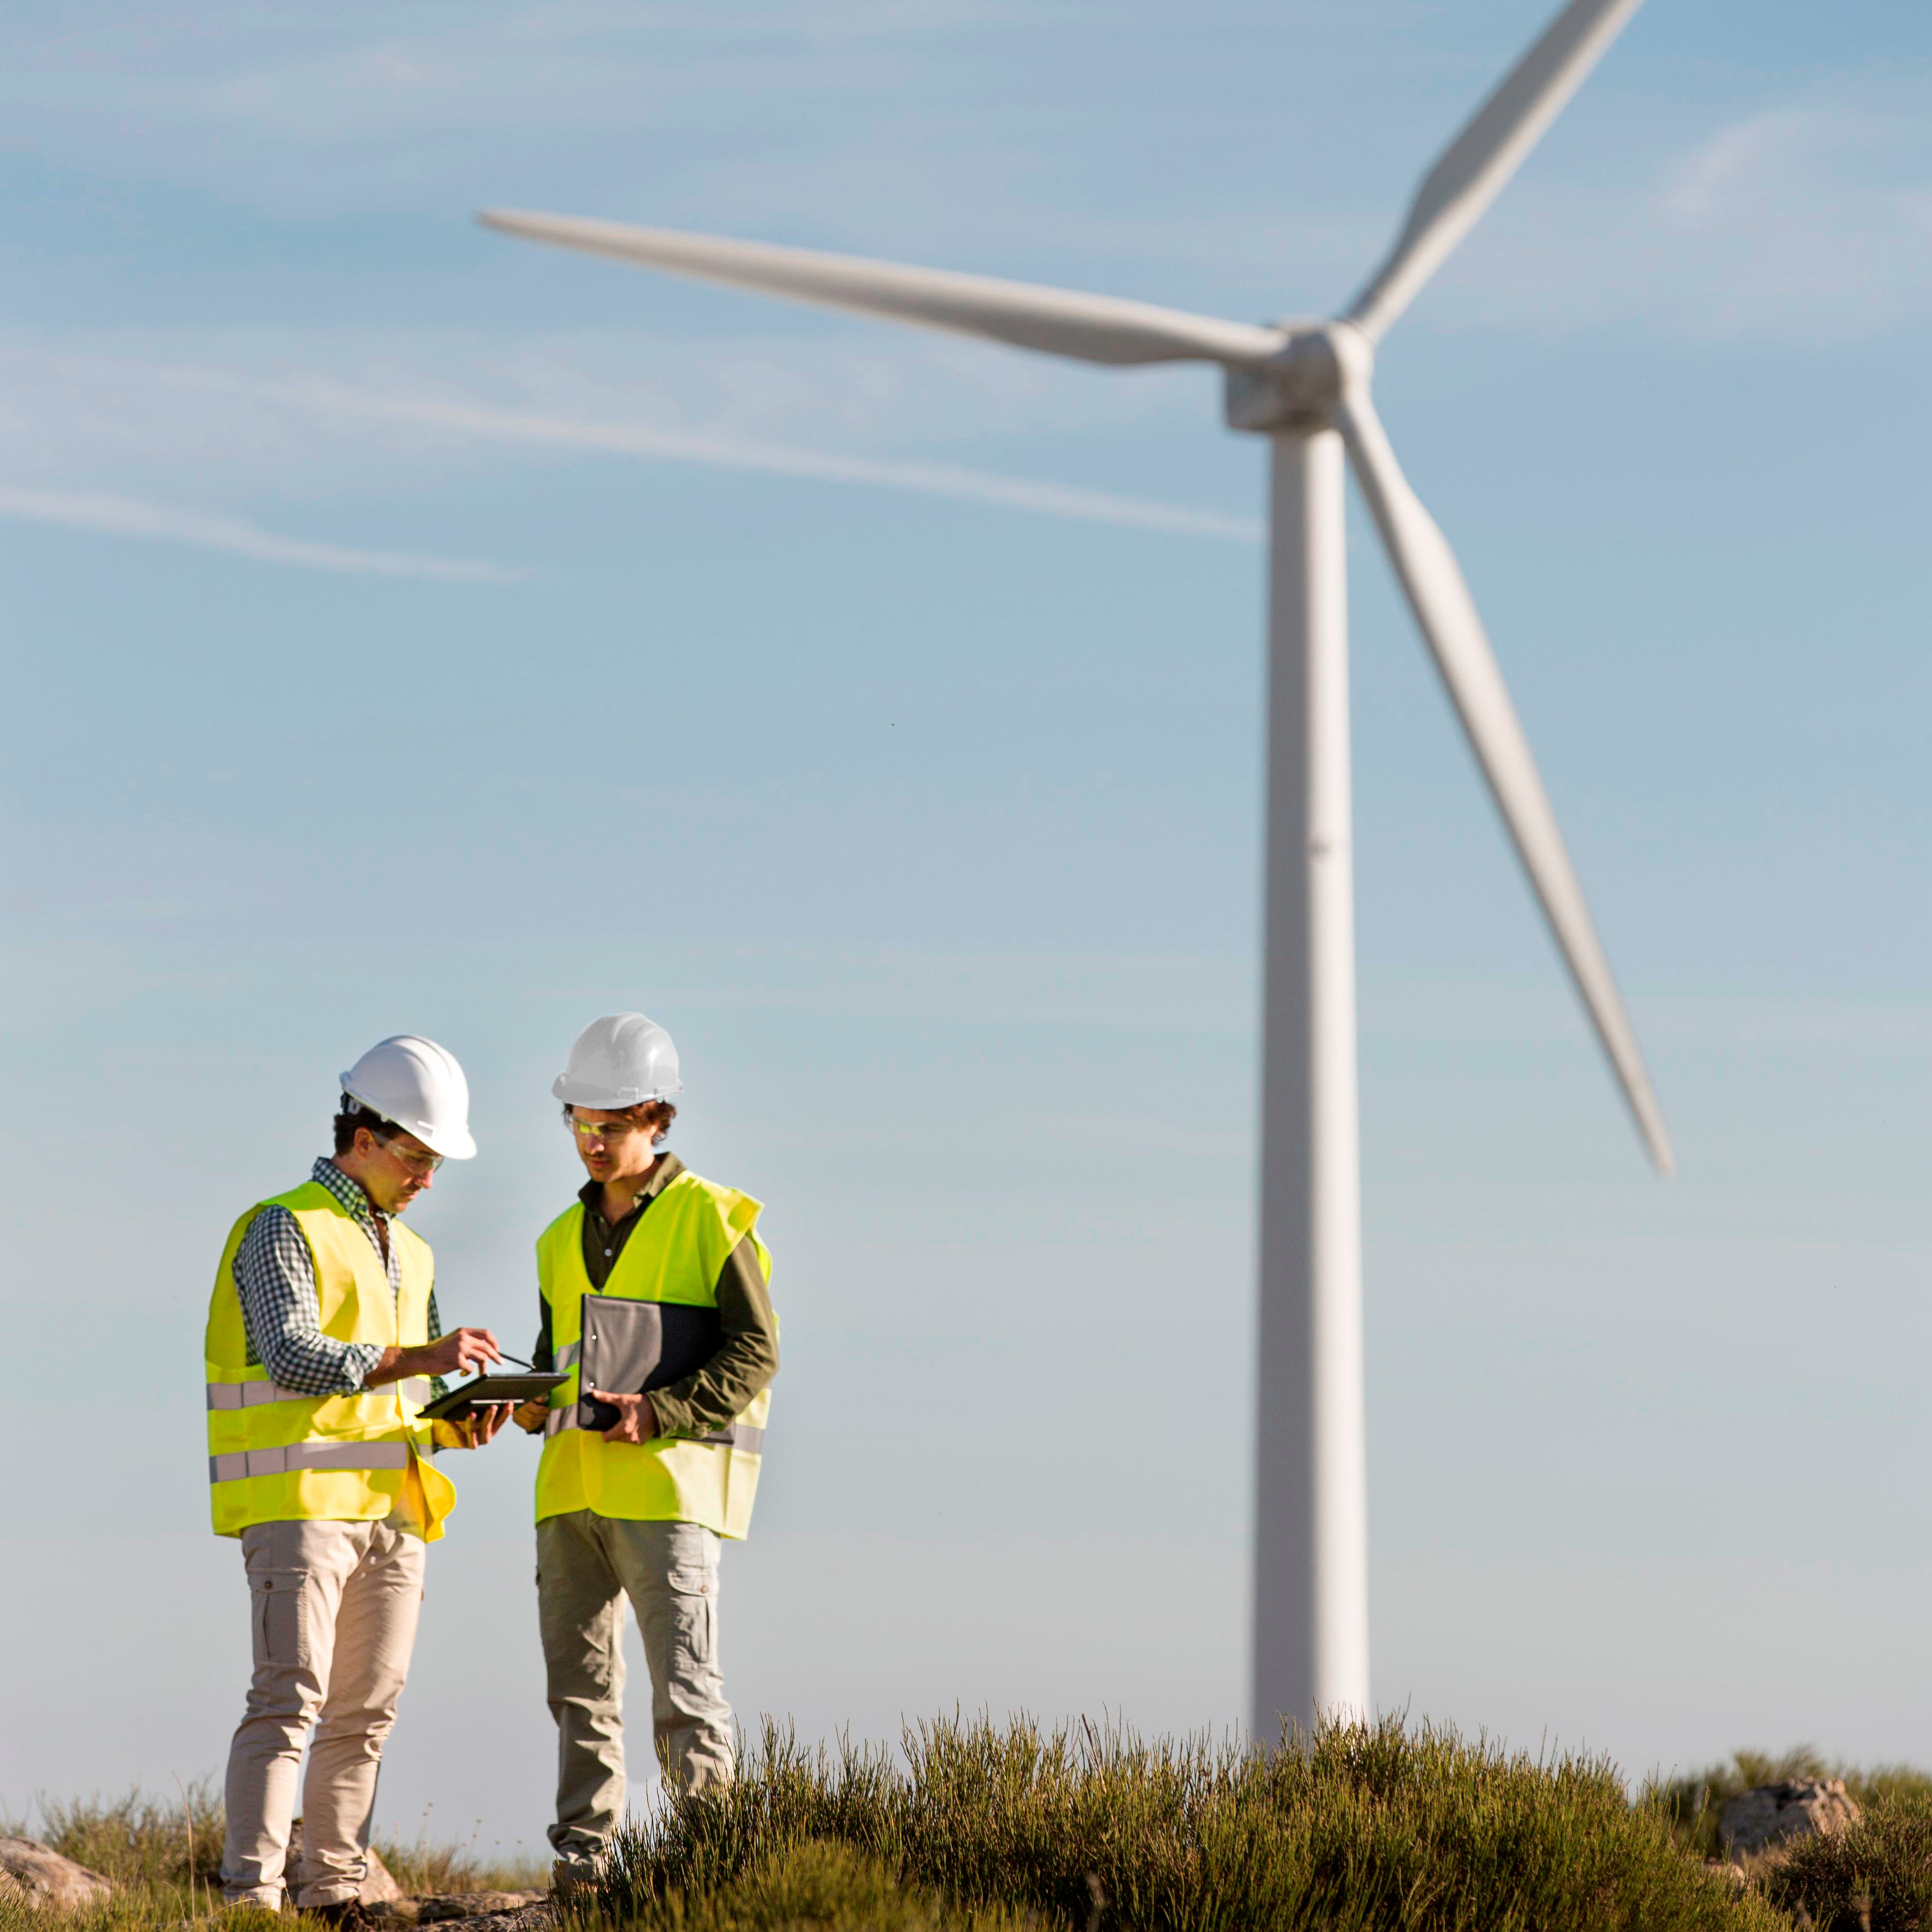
(324, 1341)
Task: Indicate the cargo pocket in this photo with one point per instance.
(694, 1592)
(281, 1619)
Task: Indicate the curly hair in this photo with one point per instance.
(353, 1114)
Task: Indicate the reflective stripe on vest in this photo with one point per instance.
(252, 1395)
(240, 1464)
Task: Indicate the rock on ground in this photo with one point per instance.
(41, 1875)
(1770, 1813)
(538, 1916)
(480, 1911)
(490, 1905)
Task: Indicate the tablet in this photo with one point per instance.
(488, 1389)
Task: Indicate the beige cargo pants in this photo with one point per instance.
(586, 1565)
(333, 1609)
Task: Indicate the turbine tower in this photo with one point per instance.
(1305, 386)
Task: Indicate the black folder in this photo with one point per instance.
(633, 1347)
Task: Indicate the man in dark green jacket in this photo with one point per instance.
(654, 1300)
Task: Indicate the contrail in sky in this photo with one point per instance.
(126, 517)
(933, 479)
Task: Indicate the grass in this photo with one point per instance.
(820, 1886)
(148, 1843)
(1396, 1827)
(164, 1856)
(1876, 1876)
(974, 1827)
(423, 1866)
(1694, 1801)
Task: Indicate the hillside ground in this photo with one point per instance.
(1399, 1827)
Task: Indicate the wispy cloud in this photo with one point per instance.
(1806, 223)
(126, 517)
(935, 479)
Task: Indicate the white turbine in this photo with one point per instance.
(1306, 387)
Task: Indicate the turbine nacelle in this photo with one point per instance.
(1299, 389)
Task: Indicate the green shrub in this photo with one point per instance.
(138, 1840)
(1694, 1802)
(826, 1887)
(1397, 1828)
(1874, 1876)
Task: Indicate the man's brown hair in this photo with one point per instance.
(354, 1114)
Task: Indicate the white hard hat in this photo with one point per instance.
(621, 1060)
(419, 1085)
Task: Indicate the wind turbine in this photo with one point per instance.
(1305, 385)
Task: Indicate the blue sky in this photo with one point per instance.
(409, 629)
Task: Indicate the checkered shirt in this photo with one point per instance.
(274, 1275)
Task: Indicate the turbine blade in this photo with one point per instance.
(1446, 613)
(1061, 322)
(1473, 169)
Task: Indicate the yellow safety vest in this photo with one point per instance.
(673, 1255)
(277, 1455)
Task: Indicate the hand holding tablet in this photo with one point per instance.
(486, 1391)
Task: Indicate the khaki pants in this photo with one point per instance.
(586, 1565)
(334, 1609)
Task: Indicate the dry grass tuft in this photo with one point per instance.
(165, 1855)
(425, 1868)
(139, 1840)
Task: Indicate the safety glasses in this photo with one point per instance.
(419, 1161)
(606, 1131)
